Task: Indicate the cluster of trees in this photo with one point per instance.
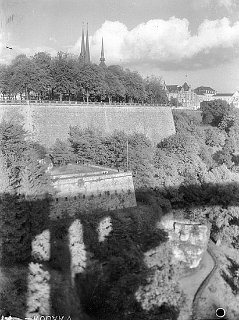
(197, 169)
(64, 77)
(23, 185)
(89, 146)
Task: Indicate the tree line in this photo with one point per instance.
(64, 78)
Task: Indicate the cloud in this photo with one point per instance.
(224, 4)
(164, 42)
(228, 4)
(31, 51)
(7, 55)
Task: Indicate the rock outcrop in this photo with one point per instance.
(188, 239)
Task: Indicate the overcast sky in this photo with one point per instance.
(168, 38)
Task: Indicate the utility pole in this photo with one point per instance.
(127, 154)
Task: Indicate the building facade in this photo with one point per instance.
(223, 96)
(205, 93)
(235, 99)
(184, 96)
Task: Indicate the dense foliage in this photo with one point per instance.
(26, 182)
(132, 152)
(64, 77)
(197, 169)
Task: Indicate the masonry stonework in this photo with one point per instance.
(87, 192)
(49, 122)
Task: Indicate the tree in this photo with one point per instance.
(64, 73)
(92, 83)
(116, 148)
(133, 83)
(115, 89)
(141, 161)
(5, 75)
(13, 146)
(87, 145)
(181, 144)
(44, 81)
(62, 152)
(185, 123)
(24, 76)
(214, 137)
(217, 113)
(174, 102)
(225, 155)
(154, 90)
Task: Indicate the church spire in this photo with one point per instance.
(87, 52)
(82, 53)
(102, 56)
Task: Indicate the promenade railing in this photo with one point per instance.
(52, 102)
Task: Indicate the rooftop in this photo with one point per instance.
(185, 86)
(205, 88)
(83, 170)
(223, 95)
(173, 88)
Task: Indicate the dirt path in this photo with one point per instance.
(193, 282)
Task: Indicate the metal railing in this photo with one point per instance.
(52, 102)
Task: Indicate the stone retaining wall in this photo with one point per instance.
(49, 122)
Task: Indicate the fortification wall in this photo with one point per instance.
(88, 185)
(49, 122)
(76, 194)
(75, 206)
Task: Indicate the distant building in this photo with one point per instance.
(84, 57)
(235, 99)
(204, 93)
(204, 90)
(102, 56)
(223, 96)
(185, 96)
(172, 90)
(230, 98)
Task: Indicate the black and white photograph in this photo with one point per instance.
(119, 159)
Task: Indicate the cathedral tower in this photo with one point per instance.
(83, 52)
(102, 56)
(87, 52)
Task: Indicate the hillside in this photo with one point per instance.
(121, 264)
